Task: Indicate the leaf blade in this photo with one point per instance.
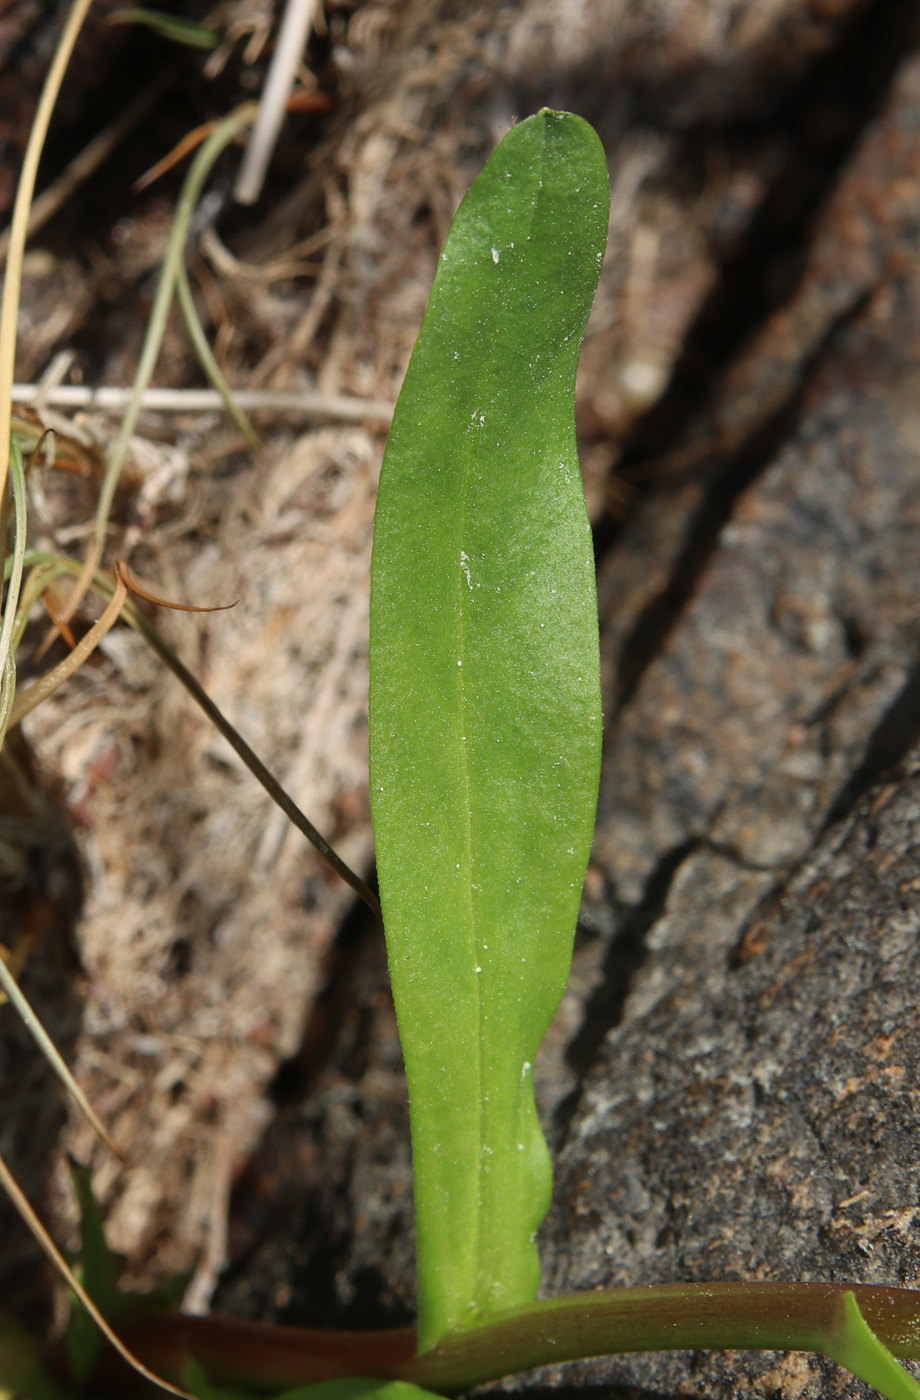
(485, 707)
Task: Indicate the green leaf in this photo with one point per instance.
(197, 1383)
(485, 703)
(339, 1388)
(358, 1388)
(22, 1372)
(857, 1347)
(99, 1270)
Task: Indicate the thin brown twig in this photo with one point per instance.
(123, 573)
(33, 455)
(308, 100)
(252, 761)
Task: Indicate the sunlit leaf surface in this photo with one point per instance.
(485, 705)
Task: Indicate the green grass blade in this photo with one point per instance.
(208, 360)
(198, 173)
(485, 703)
(181, 31)
(99, 1271)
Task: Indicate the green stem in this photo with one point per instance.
(671, 1317)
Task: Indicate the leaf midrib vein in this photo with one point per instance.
(472, 843)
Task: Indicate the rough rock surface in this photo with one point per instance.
(746, 1104)
(754, 1114)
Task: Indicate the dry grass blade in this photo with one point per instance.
(19, 225)
(47, 684)
(50, 1051)
(60, 1263)
(292, 38)
(223, 262)
(304, 403)
(11, 602)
